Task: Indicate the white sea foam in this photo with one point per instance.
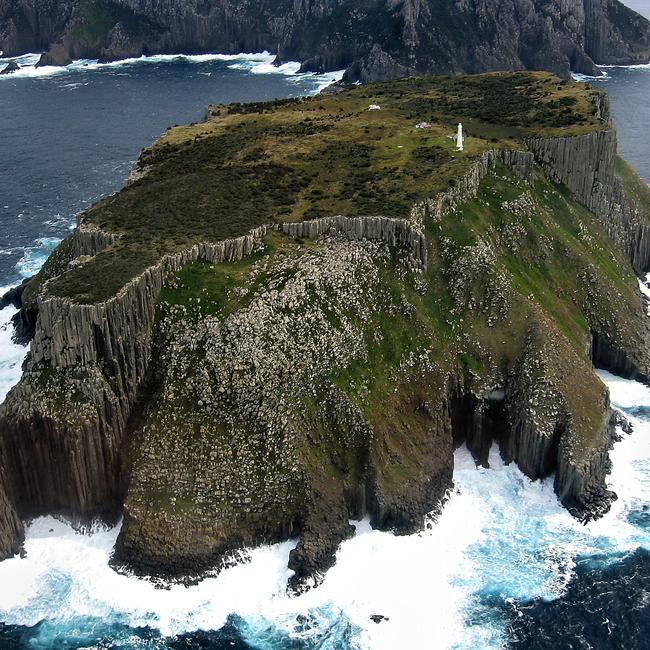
(32, 72)
(28, 63)
(255, 63)
(266, 66)
(11, 355)
(625, 393)
(645, 290)
(499, 534)
(637, 66)
(23, 59)
(34, 257)
(66, 575)
(585, 78)
(328, 78)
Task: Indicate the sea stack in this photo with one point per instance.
(11, 67)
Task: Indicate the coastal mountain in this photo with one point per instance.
(371, 39)
(295, 311)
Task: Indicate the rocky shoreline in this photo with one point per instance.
(373, 43)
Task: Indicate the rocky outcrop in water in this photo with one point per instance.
(12, 66)
(281, 382)
(13, 297)
(374, 41)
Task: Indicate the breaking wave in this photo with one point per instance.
(637, 66)
(11, 354)
(501, 540)
(255, 63)
(34, 257)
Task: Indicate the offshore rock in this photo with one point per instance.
(12, 66)
(14, 296)
(57, 55)
(24, 321)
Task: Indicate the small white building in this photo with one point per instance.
(460, 139)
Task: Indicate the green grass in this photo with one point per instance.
(207, 288)
(561, 240)
(294, 160)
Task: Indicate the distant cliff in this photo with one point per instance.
(296, 310)
(372, 39)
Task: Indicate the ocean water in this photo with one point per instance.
(69, 135)
(503, 566)
(629, 89)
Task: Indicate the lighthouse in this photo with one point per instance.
(460, 140)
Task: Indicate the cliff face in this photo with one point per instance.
(11, 528)
(64, 424)
(374, 39)
(32, 27)
(279, 382)
(587, 165)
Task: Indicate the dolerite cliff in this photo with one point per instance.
(373, 40)
(295, 311)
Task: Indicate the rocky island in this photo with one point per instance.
(373, 40)
(295, 311)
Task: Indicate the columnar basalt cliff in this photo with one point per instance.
(91, 361)
(374, 40)
(305, 361)
(11, 528)
(587, 165)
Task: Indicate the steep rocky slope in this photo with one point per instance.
(295, 310)
(372, 39)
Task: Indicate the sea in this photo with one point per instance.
(503, 566)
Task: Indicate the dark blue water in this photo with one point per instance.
(85, 633)
(603, 608)
(606, 605)
(69, 137)
(629, 89)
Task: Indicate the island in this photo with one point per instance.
(295, 311)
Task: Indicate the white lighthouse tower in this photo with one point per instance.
(460, 140)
